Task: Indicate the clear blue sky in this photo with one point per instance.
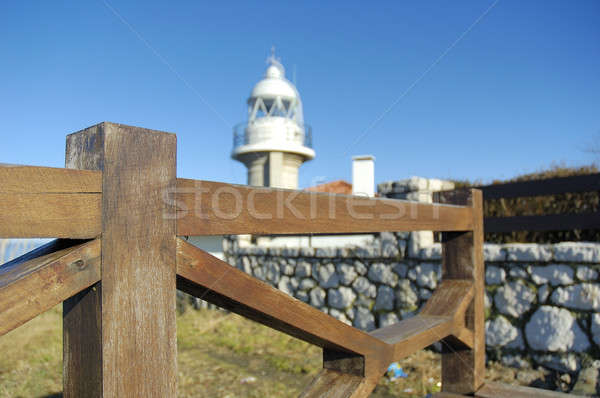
(516, 92)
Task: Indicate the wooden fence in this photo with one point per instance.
(118, 209)
(549, 222)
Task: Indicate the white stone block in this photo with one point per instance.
(493, 252)
(577, 252)
(528, 252)
(317, 297)
(436, 185)
(385, 298)
(406, 296)
(326, 275)
(586, 273)
(432, 251)
(494, 275)
(346, 272)
(554, 274)
(364, 287)
(388, 319)
(417, 184)
(340, 298)
(363, 319)
(514, 298)
(426, 274)
(584, 296)
(382, 273)
(500, 332)
(555, 329)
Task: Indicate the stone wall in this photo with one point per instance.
(542, 301)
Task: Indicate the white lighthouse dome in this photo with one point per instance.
(275, 85)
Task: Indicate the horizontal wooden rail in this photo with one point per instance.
(43, 278)
(550, 222)
(66, 203)
(46, 202)
(50, 215)
(213, 208)
(33, 179)
(549, 186)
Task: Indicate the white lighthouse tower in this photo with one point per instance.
(274, 142)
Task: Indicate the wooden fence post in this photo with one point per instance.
(463, 369)
(119, 336)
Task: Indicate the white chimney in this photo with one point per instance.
(363, 175)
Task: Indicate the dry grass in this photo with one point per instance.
(218, 354)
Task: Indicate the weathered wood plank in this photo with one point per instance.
(450, 299)
(82, 313)
(463, 367)
(410, 327)
(211, 279)
(413, 334)
(33, 179)
(498, 390)
(49, 215)
(137, 312)
(333, 384)
(38, 281)
(55, 208)
(213, 208)
(49, 202)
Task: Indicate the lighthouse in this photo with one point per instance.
(274, 141)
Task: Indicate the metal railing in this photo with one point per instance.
(240, 137)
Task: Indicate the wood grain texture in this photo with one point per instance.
(137, 306)
(498, 390)
(82, 313)
(451, 298)
(138, 264)
(36, 282)
(333, 384)
(49, 202)
(413, 334)
(33, 179)
(463, 368)
(213, 208)
(50, 215)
